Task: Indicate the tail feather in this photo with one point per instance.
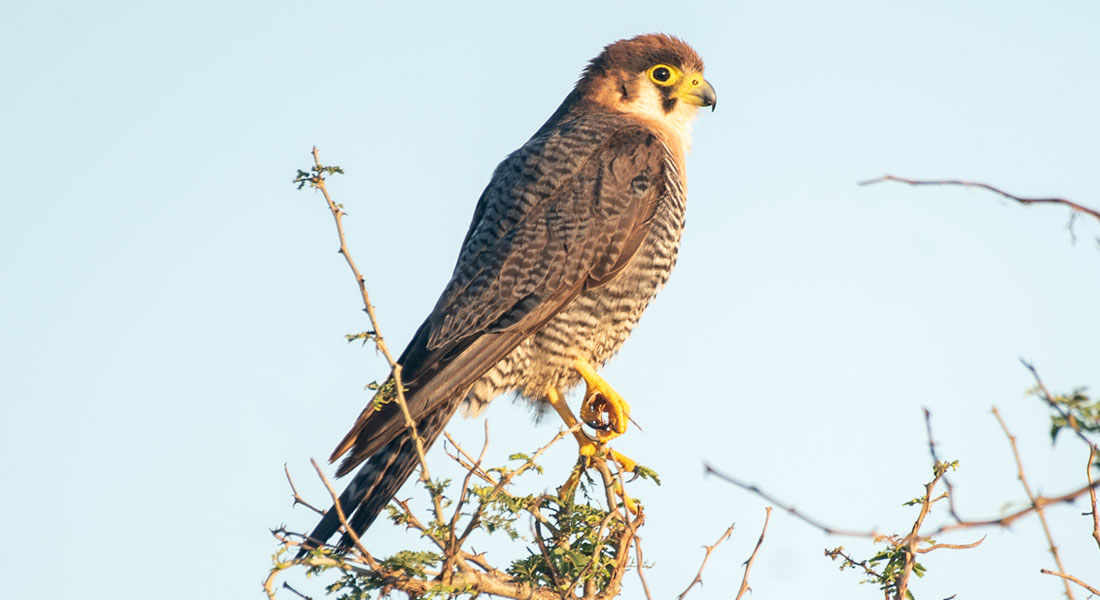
(377, 481)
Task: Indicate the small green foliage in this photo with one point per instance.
(437, 487)
(413, 563)
(364, 336)
(576, 551)
(315, 175)
(1082, 412)
(646, 473)
(577, 540)
(383, 393)
(886, 567)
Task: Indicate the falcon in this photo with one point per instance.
(574, 235)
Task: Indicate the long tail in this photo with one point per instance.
(377, 481)
(437, 381)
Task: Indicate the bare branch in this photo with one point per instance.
(788, 508)
(318, 181)
(1031, 497)
(752, 557)
(1092, 496)
(298, 498)
(343, 520)
(296, 592)
(935, 461)
(1068, 577)
(699, 576)
(951, 546)
(1049, 398)
(985, 186)
(641, 566)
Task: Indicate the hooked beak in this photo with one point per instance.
(696, 91)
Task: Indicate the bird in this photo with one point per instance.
(571, 239)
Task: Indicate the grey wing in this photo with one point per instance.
(566, 211)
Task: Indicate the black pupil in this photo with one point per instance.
(661, 74)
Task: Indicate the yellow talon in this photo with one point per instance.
(607, 413)
(602, 408)
(625, 462)
(628, 502)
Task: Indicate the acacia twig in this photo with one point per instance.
(298, 498)
(748, 563)
(913, 540)
(935, 461)
(985, 186)
(1049, 399)
(343, 519)
(1092, 497)
(1068, 577)
(829, 530)
(641, 566)
(1031, 497)
(318, 182)
(699, 575)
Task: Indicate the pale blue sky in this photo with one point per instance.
(173, 309)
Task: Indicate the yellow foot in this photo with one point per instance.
(603, 409)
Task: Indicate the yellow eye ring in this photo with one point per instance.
(664, 75)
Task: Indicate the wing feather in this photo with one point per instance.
(568, 208)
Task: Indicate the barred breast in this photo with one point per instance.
(595, 324)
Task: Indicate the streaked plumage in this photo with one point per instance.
(571, 239)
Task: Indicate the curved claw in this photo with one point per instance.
(603, 408)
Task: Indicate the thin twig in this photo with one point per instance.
(296, 592)
(1068, 577)
(935, 461)
(1031, 497)
(343, 520)
(641, 566)
(475, 518)
(913, 540)
(1092, 497)
(298, 498)
(1049, 398)
(318, 181)
(985, 186)
(709, 470)
(699, 575)
(1040, 502)
(752, 557)
(951, 546)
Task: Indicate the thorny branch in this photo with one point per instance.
(985, 186)
(1092, 496)
(911, 543)
(317, 180)
(1068, 577)
(1049, 399)
(1031, 498)
(752, 557)
(699, 576)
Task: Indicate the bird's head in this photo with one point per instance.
(655, 76)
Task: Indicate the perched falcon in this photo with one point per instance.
(571, 239)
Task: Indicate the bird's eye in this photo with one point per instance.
(663, 75)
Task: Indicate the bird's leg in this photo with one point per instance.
(587, 445)
(589, 448)
(603, 408)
